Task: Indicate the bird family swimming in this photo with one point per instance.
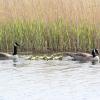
(94, 56)
(6, 56)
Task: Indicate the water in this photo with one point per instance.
(49, 80)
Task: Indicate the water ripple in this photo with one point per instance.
(49, 80)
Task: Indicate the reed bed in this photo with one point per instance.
(38, 36)
(49, 25)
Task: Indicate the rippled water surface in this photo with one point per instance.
(49, 80)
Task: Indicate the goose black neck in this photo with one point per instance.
(93, 54)
(15, 50)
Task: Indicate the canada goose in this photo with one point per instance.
(5, 56)
(85, 56)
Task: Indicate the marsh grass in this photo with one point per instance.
(39, 36)
(49, 25)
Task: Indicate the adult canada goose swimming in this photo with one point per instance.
(5, 56)
(85, 56)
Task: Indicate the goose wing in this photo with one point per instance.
(83, 54)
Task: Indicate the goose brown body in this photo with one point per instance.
(86, 56)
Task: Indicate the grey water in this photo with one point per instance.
(49, 80)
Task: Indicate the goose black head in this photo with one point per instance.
(95, 52)
(16, 44)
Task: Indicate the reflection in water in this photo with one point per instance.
(15, 62)
(95, 62)
(49, 80)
